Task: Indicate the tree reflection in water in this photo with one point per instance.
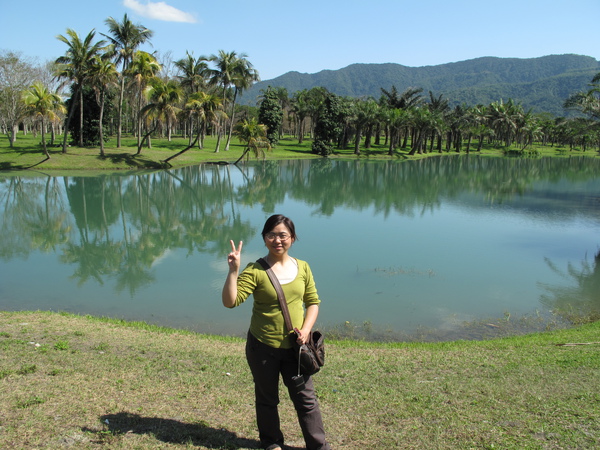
(579, 300)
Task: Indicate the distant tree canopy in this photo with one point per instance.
(328, 125)
(270, 114)
(112, 87)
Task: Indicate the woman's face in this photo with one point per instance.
(279, 240)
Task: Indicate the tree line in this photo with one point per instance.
(114, 88)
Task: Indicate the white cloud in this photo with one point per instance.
(159, 11)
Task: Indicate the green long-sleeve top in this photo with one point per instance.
(267, 323)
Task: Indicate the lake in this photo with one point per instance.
(443, 248)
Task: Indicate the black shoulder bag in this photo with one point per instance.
(311, 356)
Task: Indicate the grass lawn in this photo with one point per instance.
(27, 154)
(84, 382)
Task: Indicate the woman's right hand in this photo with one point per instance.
(230, 286)
(234, 258)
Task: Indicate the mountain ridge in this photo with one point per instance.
(541, 84)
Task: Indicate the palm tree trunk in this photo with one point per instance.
(44, 140)
(166, 161)
(13, 135)
(231, 119)
(81, 117)
(218, 137)
(146, 137)
(120, 110)
(68, 122)
(246, 150)
(357, 141)
(100, 126)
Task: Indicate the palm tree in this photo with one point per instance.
(245, 76)
(397, 119)
(300, 111)
(192, 72)
(208, 109)
(232, 70)
(284, 100)
(254, 135)
(223, 76)
(364, 117)
(587, 102)
(103, 74)
(192, 75)
(459, 121)
(503, 119)
(75, 67)
(315, 99)
(410, 98)
(125, 38)
(162, 109)
(142, 70)
(422, 122)
(43, 104)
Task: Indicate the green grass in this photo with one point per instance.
(132, 385)
(27, 154)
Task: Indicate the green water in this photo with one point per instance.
(396, 247)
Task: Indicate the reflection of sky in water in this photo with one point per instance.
(463, 258)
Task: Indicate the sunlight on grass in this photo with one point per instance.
(27, 154)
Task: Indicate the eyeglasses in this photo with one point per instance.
(282, 236)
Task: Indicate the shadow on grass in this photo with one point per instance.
(9, 166)
(171, 431)
(133, 160)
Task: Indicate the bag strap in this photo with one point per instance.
(280, 294)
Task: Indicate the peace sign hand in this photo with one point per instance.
(234, 258)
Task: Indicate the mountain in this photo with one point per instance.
(541, 84)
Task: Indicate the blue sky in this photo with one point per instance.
(309, 36)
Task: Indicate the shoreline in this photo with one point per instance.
(26, 157)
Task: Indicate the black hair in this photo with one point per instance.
(277, 219)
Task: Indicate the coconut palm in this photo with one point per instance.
(42, 104)
(503, 119)
(300, 111)
(315, 100)
(397, 120)
(410, 98)
(245, 76)
(422, 123)
(162, 108)
(232, 70)
(103, 74)
(75, 66)
(142, 70)
(587, 102)
(192, 72)
(254, 135)
(125, 37)
(364, 118)
(223, 76)
(208, 109)
(284, 100)
(193, 76)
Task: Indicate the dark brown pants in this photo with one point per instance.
(266, 363)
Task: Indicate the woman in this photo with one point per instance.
(269, 347)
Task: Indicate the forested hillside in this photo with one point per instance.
(541, 84)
